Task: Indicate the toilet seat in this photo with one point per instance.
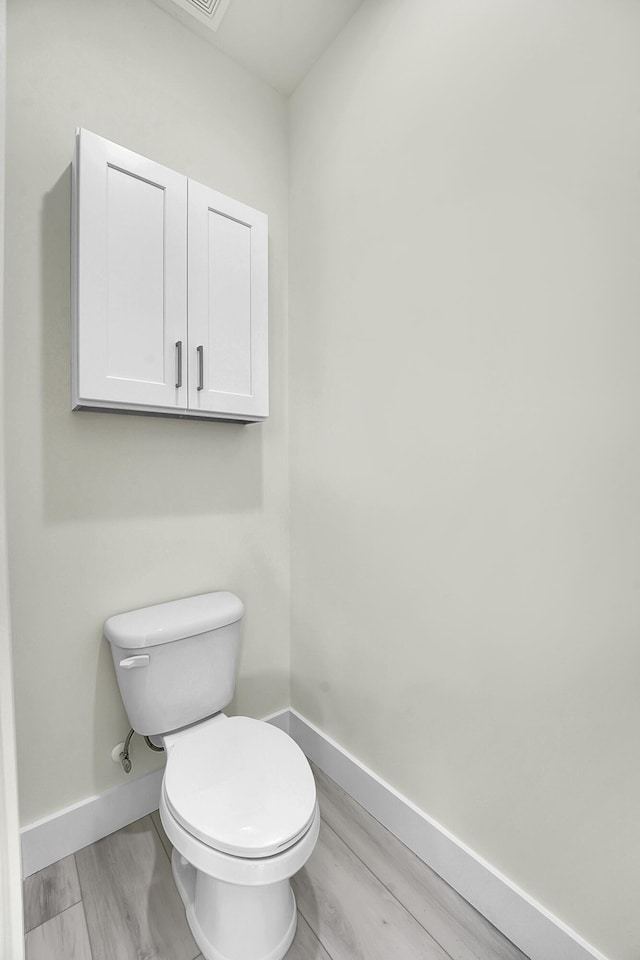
(239, 785)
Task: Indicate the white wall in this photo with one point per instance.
(108, 512)
(465, 424)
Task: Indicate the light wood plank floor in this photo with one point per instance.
(362, 896)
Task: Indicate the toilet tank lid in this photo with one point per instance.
(175, 620)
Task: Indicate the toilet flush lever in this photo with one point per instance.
(142, 661)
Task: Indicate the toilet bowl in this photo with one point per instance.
(239, 806)
(238, 799)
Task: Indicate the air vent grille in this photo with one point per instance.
(207, 6)
(208, 13)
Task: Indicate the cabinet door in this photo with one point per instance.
(131, 278)
(228, 306)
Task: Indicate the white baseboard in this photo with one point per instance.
(532, 928)
(280, 719)
(75, 827)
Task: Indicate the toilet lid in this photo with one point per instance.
(241, 786)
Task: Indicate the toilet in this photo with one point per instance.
(238, 798)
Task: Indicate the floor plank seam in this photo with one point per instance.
(314, 933)
(309, 923)
(75, 861)
(390, 892)
(91, 951)
(49, 919)
(81, 900)
(164, 848)
(29, 937)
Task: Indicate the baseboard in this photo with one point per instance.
(69, 830)
(75, 827)
(280, 719)
(532, 928)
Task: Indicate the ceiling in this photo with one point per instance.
(278, 40)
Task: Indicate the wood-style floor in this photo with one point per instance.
(362, 896)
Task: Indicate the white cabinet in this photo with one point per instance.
(131, 278)
(169, 291)
(228, 355)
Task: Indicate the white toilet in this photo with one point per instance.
(238, 796)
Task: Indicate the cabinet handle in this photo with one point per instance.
(200, 368)
(178, 363)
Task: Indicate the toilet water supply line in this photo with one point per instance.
(124, 756)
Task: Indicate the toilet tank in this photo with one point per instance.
(176, 662)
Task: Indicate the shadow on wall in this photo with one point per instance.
(256, 694)
(99, 465)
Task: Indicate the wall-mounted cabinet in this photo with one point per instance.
(170, 310)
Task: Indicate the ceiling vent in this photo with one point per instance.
(207, 12)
